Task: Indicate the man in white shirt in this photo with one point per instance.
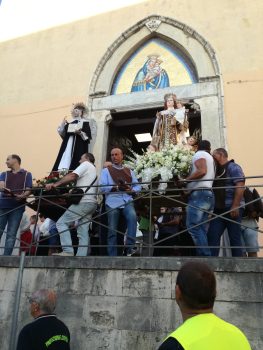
(201, 197)
(84, 175)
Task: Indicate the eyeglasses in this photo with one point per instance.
(30, 300)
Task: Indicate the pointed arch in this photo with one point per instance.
(179, 34)
(205, 89)
(163, 63)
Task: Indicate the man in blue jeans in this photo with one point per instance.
(118, 182)
(15, 187)
(201, 198)
(229, 203)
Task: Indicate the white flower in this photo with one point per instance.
(184, 158)
(173, 160)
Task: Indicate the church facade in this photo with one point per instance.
(189, 68)
(122, 65)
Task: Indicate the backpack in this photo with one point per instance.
(255, 209)
(258, 203)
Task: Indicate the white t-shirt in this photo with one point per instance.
(210, 174)
(87, 173)
(44, 227)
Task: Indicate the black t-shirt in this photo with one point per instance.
(46, 332)
(171, 344)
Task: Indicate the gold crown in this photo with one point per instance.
(156, 56)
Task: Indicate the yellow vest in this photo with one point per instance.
(209, 332)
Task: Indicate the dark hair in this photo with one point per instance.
(221, 151)
(117, 148)
(204, 145)
(90, 157)
(198, 285)
(15, 156)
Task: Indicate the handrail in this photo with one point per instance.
(143, 194)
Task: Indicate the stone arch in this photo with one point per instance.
(207, 65)
(169, 56)
(206, 92)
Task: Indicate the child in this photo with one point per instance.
(192, 143)
(27, 241)
(181, 117)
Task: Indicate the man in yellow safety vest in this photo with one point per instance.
(201, 330)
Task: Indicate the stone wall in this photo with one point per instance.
(127, 303)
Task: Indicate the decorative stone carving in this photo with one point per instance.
(188, 31)
(153, 24)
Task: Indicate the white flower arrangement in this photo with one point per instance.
(171, 161)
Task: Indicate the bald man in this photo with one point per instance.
(118, 184)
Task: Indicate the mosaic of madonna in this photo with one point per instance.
(154, 65)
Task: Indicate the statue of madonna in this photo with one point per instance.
(167, 127)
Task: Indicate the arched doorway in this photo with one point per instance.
(129, 129)
(121, 98)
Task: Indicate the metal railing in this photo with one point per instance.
(151, 197)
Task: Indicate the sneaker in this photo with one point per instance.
(63, 254)
(132, 252)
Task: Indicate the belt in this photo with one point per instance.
(202, 189)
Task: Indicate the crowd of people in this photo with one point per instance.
(214, 189)
(216, 196)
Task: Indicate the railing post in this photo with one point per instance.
(150, 223)
(35, 226)
(12, 344)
